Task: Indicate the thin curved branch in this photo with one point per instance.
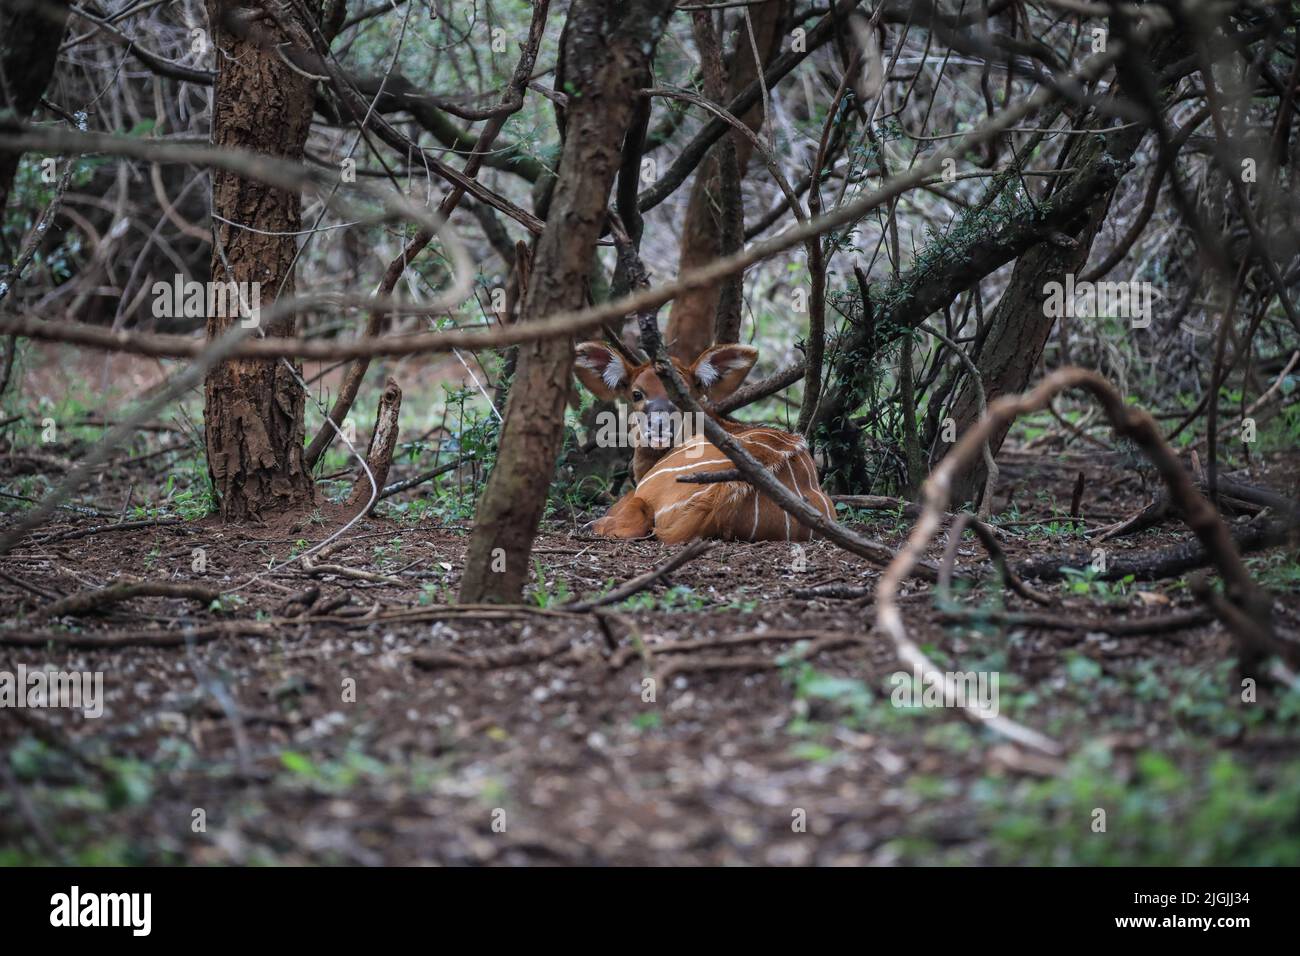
(990, 466)
(564, 323)
(1251, 622)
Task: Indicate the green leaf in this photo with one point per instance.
(1082, 670)
(299, 763)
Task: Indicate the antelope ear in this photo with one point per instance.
(720, 370)
(601, 369)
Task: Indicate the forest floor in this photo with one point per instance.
(382, 724)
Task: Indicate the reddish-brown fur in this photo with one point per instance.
(675, 511)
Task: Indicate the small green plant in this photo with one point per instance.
(1089, 583)
(389, 553)
(1055, 528)
(187, 504)
(677, 598)
(544, 595)
(335, 775)
(227, 603)
(436, 592)
(650, 720)
(1277, 572)
(1220, 812)
(821, 702)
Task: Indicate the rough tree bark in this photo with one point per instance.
(253, 409)
(608, 48)
(30, 34)
(690, 328)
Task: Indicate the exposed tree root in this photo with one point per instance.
(111, 640)
(89, 601)
(1057, 622)
(1157, 563)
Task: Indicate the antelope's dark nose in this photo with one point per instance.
(660, 423)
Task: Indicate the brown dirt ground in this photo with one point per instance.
(253, 728)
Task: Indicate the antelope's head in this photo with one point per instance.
(714, 375)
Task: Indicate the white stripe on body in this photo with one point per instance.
(698, 440)
(657, 470)
(784, 446)
(783, 452)
(673, 507)
(813, 485)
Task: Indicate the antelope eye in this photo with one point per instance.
(637, 395)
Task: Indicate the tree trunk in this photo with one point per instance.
(1019, 327)
(608, 48)
(30, 34)
(1018, 332)
(253, 409)
(379, 456)
(691, 320)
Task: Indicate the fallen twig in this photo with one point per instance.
(879, 503)
(711, 477)
(643, 581)
(28, 586)
(86, 601)
(421, 478)
(1061, 622)
(1157, 563)
(315, 569)
(1152, 514)
(105, 528)
(839, 592)
(201, 634)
